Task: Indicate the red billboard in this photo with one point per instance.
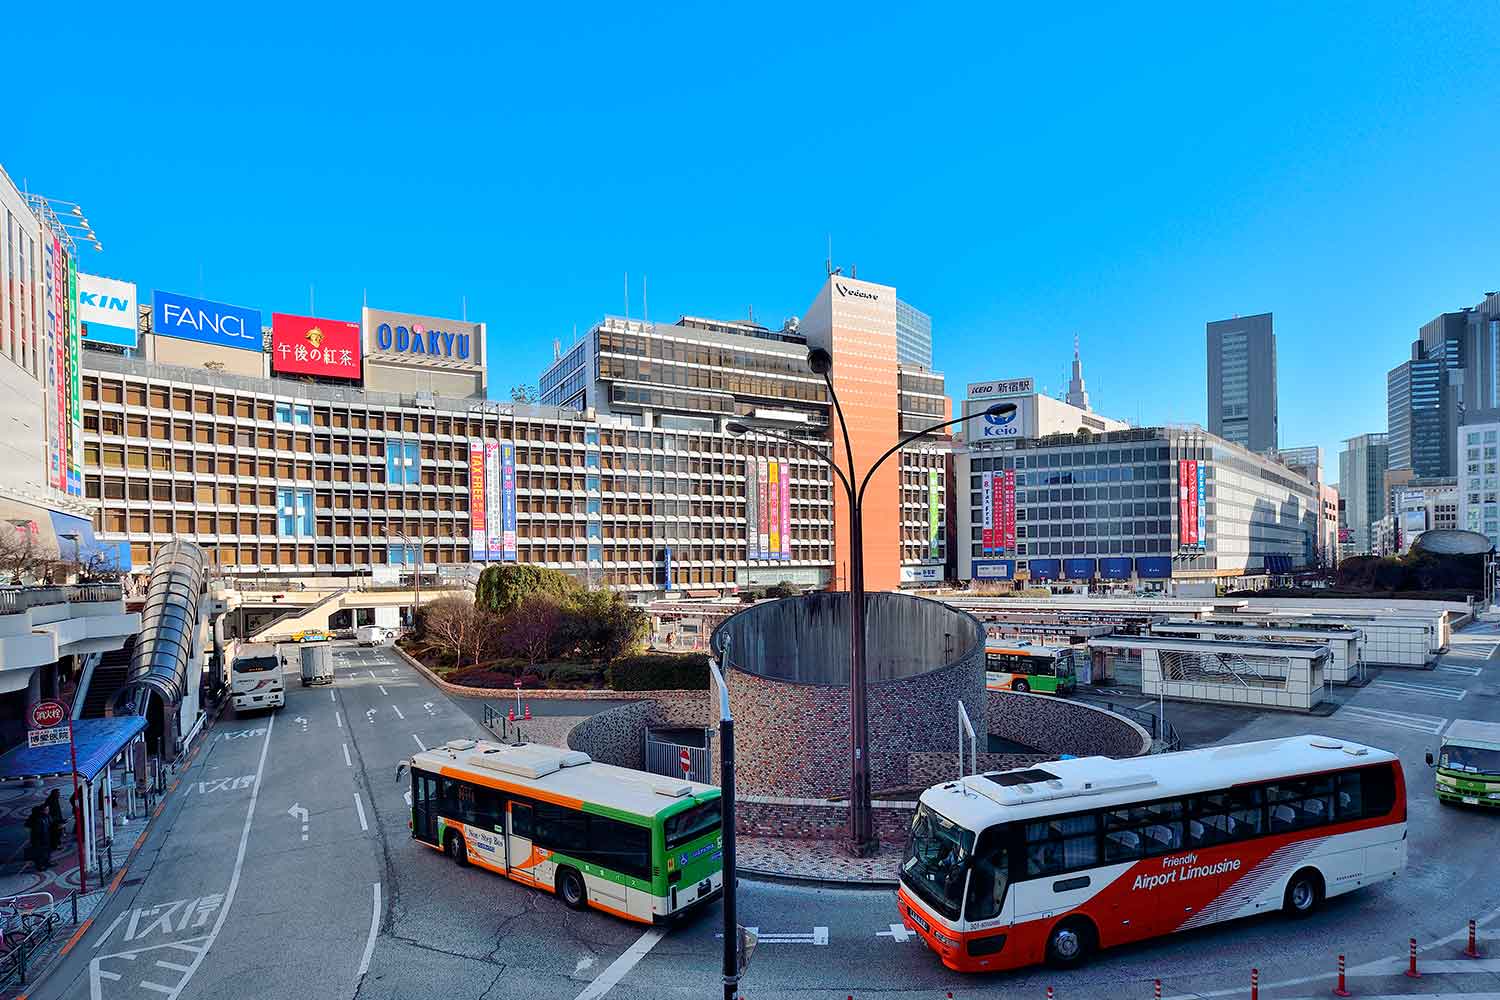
(1187, 502)
(305, 345)
(1008, 510)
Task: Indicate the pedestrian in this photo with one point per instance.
(41, 838)
(55, 814)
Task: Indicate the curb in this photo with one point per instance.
(536, 694)
(815, 881)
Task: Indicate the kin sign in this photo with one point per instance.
(106, 309)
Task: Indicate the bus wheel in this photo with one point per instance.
(1304, 893)
(1069, 944)
(1021, 686)
(457, 849)
(570, 888)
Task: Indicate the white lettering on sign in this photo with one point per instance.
(1003, 387)
(1182, 870)
(244, 734)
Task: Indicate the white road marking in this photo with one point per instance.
(419, 741)
(398, 713)
(1427, 690)
(331, 695)
(339, 718)
(383, 690)
(234, 879)
(584, 962)
(897, 933)
(373, 677)
(819, 936)
(359, 807)
(1455, 668)
(364, 959)
(1401, 720)
(347, 761)
(621, 966)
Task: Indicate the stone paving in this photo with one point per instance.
(816, 860)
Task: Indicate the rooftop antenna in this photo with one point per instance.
(556, 349)
(365, 296)
(752, 313)
(464, 314)
(312, 309)
(627, 294)
(828, 261)
(853, 270)
(645, 302)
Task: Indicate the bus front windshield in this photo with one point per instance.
(937, 859)
(255, 664)
(1474, 760)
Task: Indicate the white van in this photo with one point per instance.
(374, 635)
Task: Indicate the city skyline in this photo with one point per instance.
(1302, 226)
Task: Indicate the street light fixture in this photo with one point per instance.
(862, 838)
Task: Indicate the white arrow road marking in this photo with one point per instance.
(359, 807)
(897, 933)
(299, 812)
(617, 969)
(428, 705)
(370, 716)
(299, 720)
(398, 713)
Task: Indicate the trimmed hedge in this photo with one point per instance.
(658, 672)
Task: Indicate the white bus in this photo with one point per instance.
(645, 847)
(255, 679)
(1050, 862)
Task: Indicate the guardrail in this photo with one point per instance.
(23, 933)
(14, 600)
(1163, 734)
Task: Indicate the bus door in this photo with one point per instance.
(518, 838)
(424, 806)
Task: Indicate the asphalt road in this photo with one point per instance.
(228, 899)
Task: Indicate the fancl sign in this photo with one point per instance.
(423, 340)
(187, 318)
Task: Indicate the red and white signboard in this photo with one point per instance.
(305, 345)
(1187, 502)
(46, 714)
(686, 760)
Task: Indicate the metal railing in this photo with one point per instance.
(663, 757)
(23, 932)
(14, 600)
(1163, 734)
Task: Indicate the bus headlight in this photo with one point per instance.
(951, 942)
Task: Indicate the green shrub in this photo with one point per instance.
(658, 672)
(502, 588)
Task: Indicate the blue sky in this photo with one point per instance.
(1021, 175)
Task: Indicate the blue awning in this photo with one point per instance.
(98, 740)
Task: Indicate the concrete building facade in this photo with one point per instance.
(1362, 466)
(1478, 493)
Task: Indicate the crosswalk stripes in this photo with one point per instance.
(1461, 668)
(1423, 690)
(1400, 720)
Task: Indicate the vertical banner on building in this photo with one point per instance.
(1202, 536)
(752, 511)
(59, 304)
(774, 469)
(479, 540)
(75, 385)
(1008, 520)
(762, 516)
(987, 501)
(1184, 530)
(492, 501)
(508, 501)
(933, 549)
(786, 513)
(50, 388)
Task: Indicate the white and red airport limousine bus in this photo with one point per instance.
(1053, 861)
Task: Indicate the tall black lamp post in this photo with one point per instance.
(862, 839)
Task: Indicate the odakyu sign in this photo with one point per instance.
(187, 318)
(403, 338)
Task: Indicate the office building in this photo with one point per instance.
(1422, 505)
(1419, 412)
(913, 336)
(1362, 466)
(1154, 505)
(1036, 415)
(1479, 480)
(1078, 395)
(1242, 382)
(1326, 554)
(1306, 461)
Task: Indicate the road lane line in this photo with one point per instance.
(332, 696)
(610, 977)
(347, 761)
(234, 878)
(398, 713)
(339, 718)
(419, 741)
(359, 807)
(383, 690)
(373, 677)
(364, 960)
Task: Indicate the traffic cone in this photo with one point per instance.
(510, 715)
(528, 711)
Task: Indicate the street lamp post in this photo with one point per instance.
(862, 838)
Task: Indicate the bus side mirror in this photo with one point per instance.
(1429, 758)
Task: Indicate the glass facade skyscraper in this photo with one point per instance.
(1242, 382)
(913, 335)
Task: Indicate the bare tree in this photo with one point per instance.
(531, 628)
(449, 624)
(23, 557)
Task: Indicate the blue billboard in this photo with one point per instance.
(1045, 569)
(1078, 569)
(187, 318)
(1153, 567)
(1115, 567)
(994, 569)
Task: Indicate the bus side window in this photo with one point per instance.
(489, 808)
(624, 847)
(1349, 803)
(1378, 789)
(990, 876)
(561, 829)
(520, 819)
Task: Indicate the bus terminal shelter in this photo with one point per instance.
(1345, 645)
(1290, 675)
(103, 746)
